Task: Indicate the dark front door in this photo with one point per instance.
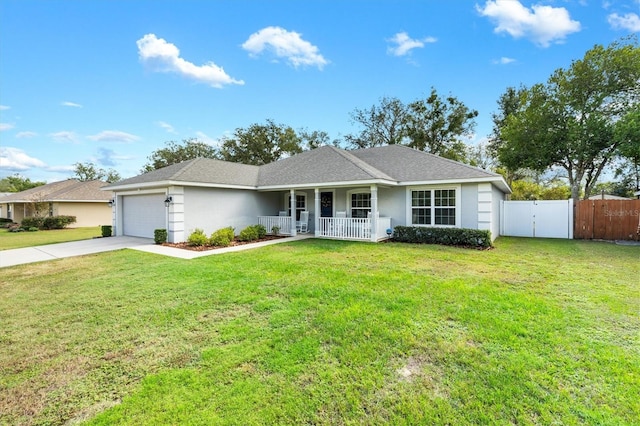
(326, 204)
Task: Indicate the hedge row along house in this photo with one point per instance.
(328, 192)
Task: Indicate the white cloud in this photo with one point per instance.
(541, 24)
(64, 136)
(165, 57)
(203, 137)
(629, 21)
(284, 44)
(403, 44)
(4, 107)
(26, 135)
(70, 104)
(504, 61)
(166, 126)
(114, 136)
(6, 126)
(15, 159)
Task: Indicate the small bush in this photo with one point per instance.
(57, 222)
(160, 236)
(222, 237)
(250, 233)
(33, 222)
(261, 230)
(106, 230)
(445, 236)
(33, 229)
(5, 221)
(275, 230)
(15, 228)
(197, 238)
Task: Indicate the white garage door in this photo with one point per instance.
(142, 214)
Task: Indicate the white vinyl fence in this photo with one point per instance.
(541, 219)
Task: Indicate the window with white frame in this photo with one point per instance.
(301, 204)
(360, 204)
(434, 206)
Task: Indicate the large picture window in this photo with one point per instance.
(433, 207)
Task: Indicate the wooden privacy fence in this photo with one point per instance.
(607, 220)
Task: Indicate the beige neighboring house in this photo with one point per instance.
(84, 200)
(607, 197)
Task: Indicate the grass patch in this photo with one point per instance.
(326, 332)
(13, 240)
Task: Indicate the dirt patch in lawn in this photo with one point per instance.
(236, 242)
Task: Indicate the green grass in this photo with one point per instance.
(13, 240)
(326, 332)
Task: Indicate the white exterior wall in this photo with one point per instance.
(498, 197)
(469, 206)
(213, 208)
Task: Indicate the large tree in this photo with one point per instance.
(17, 183)
(261, 144)
(627, 134)
(175, 152)
(568, 122)
(438, 125)
(382, 124)
(89, 171)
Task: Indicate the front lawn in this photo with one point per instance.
(13, 240)
(326, 332)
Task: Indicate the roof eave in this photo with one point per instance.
(496, 180)
(166, 183)
(336, 184)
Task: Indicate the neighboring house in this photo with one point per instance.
(84, 200)
(607, 197)
(355, 195)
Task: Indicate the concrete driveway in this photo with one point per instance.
(75, 248)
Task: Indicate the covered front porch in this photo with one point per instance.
(358, 218)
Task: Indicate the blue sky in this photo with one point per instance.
(109, 82)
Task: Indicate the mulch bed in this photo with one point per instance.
(186, 246)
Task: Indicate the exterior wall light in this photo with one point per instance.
(168, 201)
(111, 202)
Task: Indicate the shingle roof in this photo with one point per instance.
(410, 165)
(199, 170)
(66, 190)
(393, 164)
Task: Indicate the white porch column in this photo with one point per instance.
(292, 205)
(374, 213)
(316, 215)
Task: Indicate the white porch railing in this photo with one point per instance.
(282, 222)
(349, 228)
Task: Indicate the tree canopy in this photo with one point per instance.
(175, 152)
(89, 171)
(17, 183)
(435, 124)
(569, 121)
(261, 144)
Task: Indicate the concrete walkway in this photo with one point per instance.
(97, 245)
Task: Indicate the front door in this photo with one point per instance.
(326, 204)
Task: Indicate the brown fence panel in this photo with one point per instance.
(607, 220)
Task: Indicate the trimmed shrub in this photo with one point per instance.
(33, 229)
(33, 222)
(4, 221)
(160, 236)
(222, 237)
(197, 238)
(57, 222)
(275, 230)
(106, 230)
(250, 233)
(446, 236)
(261, 230)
